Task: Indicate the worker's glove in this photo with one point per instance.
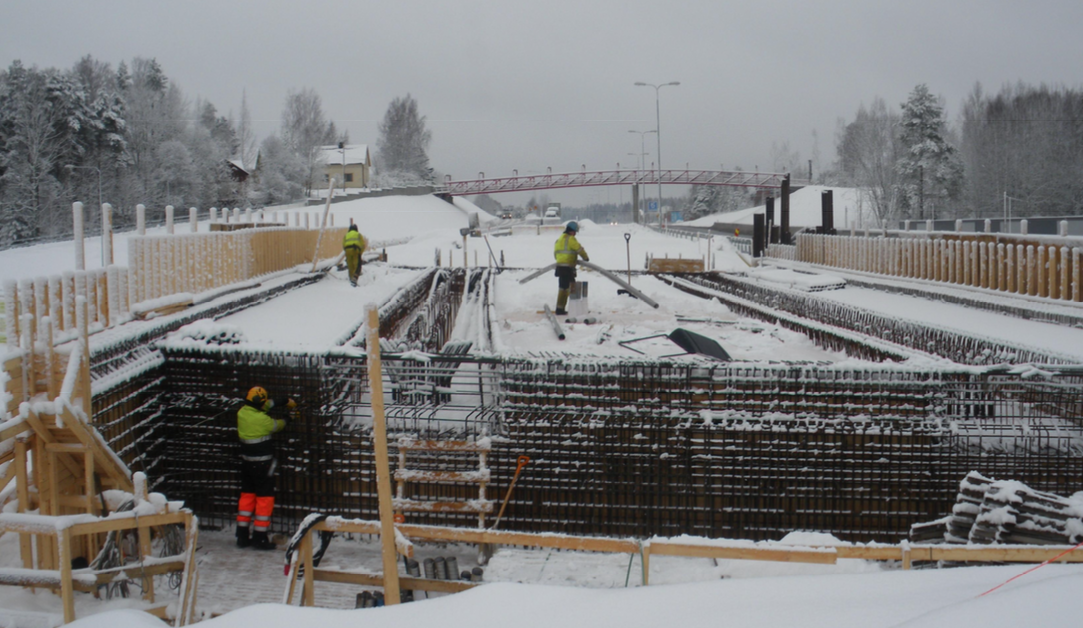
(291, 404)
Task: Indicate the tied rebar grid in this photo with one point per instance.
(745, 451)
(958, 347)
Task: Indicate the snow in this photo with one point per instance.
(572, 589)
(527, 588)
(850, 210)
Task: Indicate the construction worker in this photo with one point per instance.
(566, 251)
(353, 244)
(255, 426)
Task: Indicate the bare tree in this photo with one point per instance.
(403, 142)
(869, 150)
(305, 129)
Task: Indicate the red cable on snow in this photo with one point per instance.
(1017, 576)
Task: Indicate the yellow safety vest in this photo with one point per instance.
(353, 238)
(567, 249)
(255, 426)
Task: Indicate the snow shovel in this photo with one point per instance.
(523, 460)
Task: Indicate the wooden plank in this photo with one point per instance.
(383, 464)
(1035, 554)
(406, 582)
(127, 521)
(824, 556)
(891, 552)
(308, 589)
(443, 445)
(495, 537)
(14, 430)
(446, 477)
(410, 505)
(145, 552)
(26, 551)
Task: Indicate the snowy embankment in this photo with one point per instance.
(851, 209)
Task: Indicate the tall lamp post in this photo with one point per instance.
(658, 130)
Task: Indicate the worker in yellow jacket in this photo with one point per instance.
(353, 244)
(567, 251)
(255, 425)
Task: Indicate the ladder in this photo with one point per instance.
(430, 451)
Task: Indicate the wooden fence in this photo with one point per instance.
(160, 266)
(1047, 266)
(171, 264)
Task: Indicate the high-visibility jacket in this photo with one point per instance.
(567, 249)
(353, 239)
(254, 428)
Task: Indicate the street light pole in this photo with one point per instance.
(642, 151)
(658, 130)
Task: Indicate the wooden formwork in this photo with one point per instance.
(1046, 267)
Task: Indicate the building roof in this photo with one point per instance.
(355, 154)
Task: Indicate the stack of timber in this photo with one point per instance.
(1014, 513)
(989, 512)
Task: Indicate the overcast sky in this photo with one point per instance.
(549, 83)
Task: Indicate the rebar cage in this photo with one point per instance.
(617, 448)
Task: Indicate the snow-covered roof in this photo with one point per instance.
(238, 164)
(355, 154)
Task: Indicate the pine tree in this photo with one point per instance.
(403, 143)
(931, 171)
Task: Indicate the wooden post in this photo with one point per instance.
(1032, 272)
(323, 225)
(107, 234)
(66, 585)
(1043, 272)
(1077, 290)
(1065, 285)
(169, 219)
(1052, 274)
(22, 483)
(1020, 269)
(383, 467)
(983, 265)
(141, 219)
(308, 588)
(78, 237)
(193, 219)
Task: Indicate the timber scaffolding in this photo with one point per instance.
(633, 448)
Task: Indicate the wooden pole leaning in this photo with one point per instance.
(323, 225)
(383, 465)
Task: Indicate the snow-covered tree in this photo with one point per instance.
(403, 143)
(305, 129)
(280, 174)
(932, 174)
(704, 200)
(246, 136)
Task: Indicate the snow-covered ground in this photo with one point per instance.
(542, 588)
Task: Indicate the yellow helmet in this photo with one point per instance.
(257, 395)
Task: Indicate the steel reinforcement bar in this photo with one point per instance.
(949, 344)
(748, 451)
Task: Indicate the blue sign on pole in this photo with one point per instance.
(652, 205)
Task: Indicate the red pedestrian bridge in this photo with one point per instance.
(550, 180)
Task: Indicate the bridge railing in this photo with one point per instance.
(612, 177)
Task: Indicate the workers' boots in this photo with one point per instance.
(562, 302)
(243, 539)
(261, 542)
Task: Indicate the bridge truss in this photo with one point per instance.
(549, 181)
